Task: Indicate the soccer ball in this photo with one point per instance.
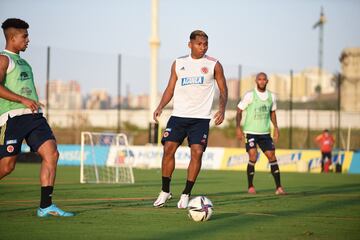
(200, 209)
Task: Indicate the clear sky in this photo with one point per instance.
(262, 35)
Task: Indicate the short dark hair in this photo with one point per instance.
(261, 73)
(196, 33)
(14, 23)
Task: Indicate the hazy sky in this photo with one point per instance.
(262, 35)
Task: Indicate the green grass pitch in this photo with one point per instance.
(318, 206)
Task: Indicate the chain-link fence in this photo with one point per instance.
(110, 91)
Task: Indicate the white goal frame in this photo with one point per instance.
(103, 172)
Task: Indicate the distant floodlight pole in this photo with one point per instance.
(119, 95)
(154, 47)
(291, 108)
(240, 77)
(238, 93)
(338, 82)
(320, 24)
(48, 84)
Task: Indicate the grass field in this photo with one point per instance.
(318, 206)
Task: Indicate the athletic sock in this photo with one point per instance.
(250, 173)
(275, 172)
(46, 196)
(188, 187)
(166, 184)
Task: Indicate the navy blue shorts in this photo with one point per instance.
(31, 127)
(325, 155)
(264, 141)
(195, 129)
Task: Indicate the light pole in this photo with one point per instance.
(291, 108)
(154, 47)
(48, 84)
(320, 24)
(119, 95)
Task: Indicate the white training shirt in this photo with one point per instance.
(248, 97)
(195, 87)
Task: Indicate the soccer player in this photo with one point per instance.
(192, 84)
(21, 116)
(260, 106)
(326, 142)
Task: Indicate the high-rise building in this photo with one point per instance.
(350, 79)
(64, 95)
(304, 84)
(98, 99)
(278, 83)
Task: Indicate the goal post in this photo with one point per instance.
(105, 158)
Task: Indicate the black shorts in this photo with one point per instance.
(325, 155)
(264, 141)
(195, 129)
(31, 127)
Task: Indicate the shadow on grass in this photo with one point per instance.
(345, 188)
(237, 221)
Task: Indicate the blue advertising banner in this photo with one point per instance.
(228, 158)
(355, 163)
(70, 154)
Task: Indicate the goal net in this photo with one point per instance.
(105, 158)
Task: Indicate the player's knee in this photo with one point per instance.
(51, 157)
(197, 152)
(56, 155)
(270, 155)
(252, 157)
(168, 155)
(169, 150)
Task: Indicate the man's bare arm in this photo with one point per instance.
(276, 128)
(221, 82)
(168, 93)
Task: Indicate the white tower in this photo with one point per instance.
(154, 47)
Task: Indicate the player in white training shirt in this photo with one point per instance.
(192, 85)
